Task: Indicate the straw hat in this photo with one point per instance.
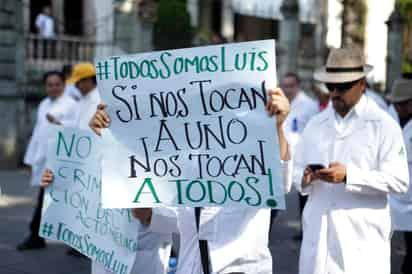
(401, 91)
(81, 71)
(343, 65)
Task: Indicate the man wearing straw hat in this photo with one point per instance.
(401, 204)
(349, 158)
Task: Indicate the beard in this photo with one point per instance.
(340, 106)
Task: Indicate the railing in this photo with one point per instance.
(45, 54)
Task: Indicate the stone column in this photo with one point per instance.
(132, 33)
(228, 20)
(289, 37)
(395, 25)
(11, 73)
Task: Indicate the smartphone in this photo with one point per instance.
(315, 167)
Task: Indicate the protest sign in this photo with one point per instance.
(72, 212)
(189, 128)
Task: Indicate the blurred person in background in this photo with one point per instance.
(57, 108)
(401, 204)
(302, 109)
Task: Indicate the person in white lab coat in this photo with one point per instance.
(346, 221)
(154, 249)
(56, 108)
(302, 109)
(401, 204)
(232, 240)
(45, 23)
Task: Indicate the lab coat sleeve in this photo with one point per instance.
(391, 174)
(32, 147)
(287, 168)
(298, 158)
(164, 220)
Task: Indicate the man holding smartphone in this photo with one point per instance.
(346, 221)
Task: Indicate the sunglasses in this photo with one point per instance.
(341, 87)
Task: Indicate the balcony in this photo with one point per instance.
(50, 54)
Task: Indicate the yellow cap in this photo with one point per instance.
(81, 71)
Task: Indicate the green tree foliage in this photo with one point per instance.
(405, 8)
(173, 28)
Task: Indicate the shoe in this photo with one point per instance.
(32, 243)
(75, 253)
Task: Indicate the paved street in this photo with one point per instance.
(16, 205)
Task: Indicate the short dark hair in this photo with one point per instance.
(53, 73)
(67, 69)
(293, 75)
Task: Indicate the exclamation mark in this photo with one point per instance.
(271, 202)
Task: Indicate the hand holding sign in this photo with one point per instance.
(144, 215)
(278, 105)
(100, 120)
(46, 178)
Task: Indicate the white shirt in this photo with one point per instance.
(72, 91)
(347, 226)
(237, 237)
(63, 109)
(45, 25)
(88, 106)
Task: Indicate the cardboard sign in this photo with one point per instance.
(189, 128)
(72, 211)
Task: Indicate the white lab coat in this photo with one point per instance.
(87, 106)
(152, 256)
(65, 110)
(45, 25)
(237, 237)
(377, 98)
(392, 112)
(153, 252)
(302, 109)
(401, 204)
(347, 227)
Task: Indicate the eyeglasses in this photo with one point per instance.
(341, 87)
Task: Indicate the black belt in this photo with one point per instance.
(204, 250)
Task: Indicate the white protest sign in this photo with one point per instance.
(72, 211)
(189, 128)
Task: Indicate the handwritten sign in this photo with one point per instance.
(189, 128)
(72, 211)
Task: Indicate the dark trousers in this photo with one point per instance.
(35, 221)
(302, 202)
(407, 261)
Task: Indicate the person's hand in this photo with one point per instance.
(46, 178)
(335, 174)
(100, 119)
(278, 105)
(143, 214)
(308, 176)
